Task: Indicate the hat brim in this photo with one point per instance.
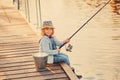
(44, 27)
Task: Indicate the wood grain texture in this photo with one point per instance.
(68, 71)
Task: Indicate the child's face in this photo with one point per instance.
(48, 31)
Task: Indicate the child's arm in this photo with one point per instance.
(58, 43)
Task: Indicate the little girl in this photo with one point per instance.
(49, 44)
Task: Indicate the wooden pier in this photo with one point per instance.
(17, 44)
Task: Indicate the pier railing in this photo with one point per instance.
(31, 9)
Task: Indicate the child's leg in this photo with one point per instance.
(64, 58)
(61, 58)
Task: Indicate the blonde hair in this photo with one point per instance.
(43, 32)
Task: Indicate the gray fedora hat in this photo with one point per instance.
(47, 24)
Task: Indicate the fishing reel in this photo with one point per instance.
(69, 48)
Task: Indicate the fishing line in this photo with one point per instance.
(85, 23)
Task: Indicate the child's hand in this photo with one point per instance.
(67, 40)
(59, 50)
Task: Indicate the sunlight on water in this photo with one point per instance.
(96, 51)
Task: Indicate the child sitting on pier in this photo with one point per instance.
(48, 44)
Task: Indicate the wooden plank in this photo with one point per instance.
(27, 55)
(19, 37)
(17, 68)
(64, 78)
(49, 76)
(3, 40)
(17, 41)
(6, 44)
(18, 47)
(68, 71)
(5, 49)
(14, 25)
(15, 51)
(21, 25)
(15, 56)
(23, 66)
(8, 48)
(29, 70)
(15, 35)
(15, 59)
(24, 39)
(29, 74)
(15, 62)
(12, 55)
(24, 28)
(23, 60)
(2, 77)
(19, 50)
(18, 53)
(21, 31)
(32, 73)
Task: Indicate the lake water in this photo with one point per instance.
(96, 48)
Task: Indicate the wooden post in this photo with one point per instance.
(18, 4)
(68, 71)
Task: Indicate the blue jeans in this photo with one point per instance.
(60, 57)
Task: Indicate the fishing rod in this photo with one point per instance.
(85, 23)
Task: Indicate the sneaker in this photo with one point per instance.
(73, 69)
(79, 76)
